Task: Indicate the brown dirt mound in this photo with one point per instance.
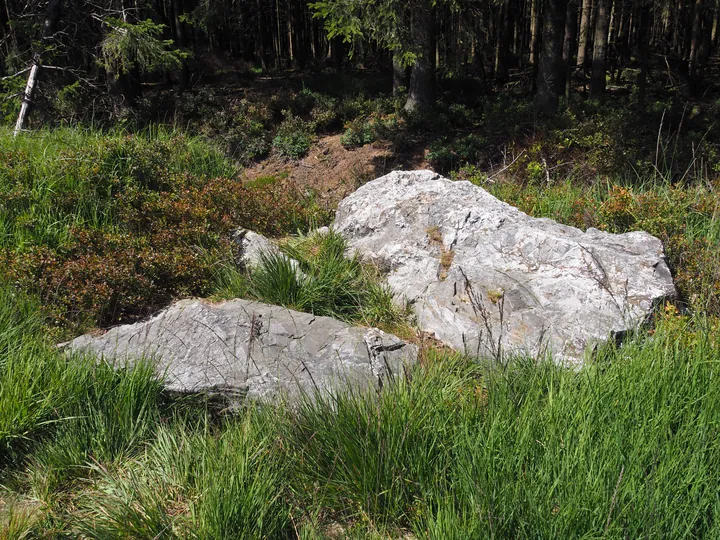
(332, 172)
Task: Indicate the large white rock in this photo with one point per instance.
(485, 277)
(240, 348)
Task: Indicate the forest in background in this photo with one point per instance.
(101, 57)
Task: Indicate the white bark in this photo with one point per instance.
(53, 14)
(27, 98)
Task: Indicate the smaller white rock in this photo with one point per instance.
(243, 348)
(250, 248)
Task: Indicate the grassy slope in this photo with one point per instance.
(628, 447)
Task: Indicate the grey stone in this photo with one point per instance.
(485, 277)
(250, 246)
(242, 348)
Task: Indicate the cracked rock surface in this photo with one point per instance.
(484, 276)
(242, 348)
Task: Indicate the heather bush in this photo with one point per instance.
(108, 229)
(358, 133)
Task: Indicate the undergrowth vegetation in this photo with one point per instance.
(313, 274)
(106, 228)
(99, 228)
(626, 447)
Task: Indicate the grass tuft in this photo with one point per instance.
(313, 274)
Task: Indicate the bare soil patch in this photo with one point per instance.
(331, 171)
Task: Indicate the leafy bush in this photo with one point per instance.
(243, 129)
(358, 133)
(353, 107)
(446, 154)
(324, 114)
(293, 138)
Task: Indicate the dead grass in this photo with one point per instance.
(18, 516)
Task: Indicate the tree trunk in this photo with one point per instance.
(534, 31)
(4, 38)
(584, 33)
(695, 39)
(571, 26)
(644, 42)
(550, 72)
(422, 78)
(597, 79)
(262, 45)
(399, 75)
(623, 48)
(715, 24)
(337, 53)
(612, 54)
(615, 20)
(54, 10)
(295, 22)
(501, 42)
(178, 12)
(678, 27)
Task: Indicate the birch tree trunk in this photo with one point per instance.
(53, 15)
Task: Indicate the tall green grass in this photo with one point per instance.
(54, 180)
(626, 448)
(59, 411)
(315, 274)
(194, 482)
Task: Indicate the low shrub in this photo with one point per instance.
(293, 138)
(446, 154)
(358, 133)
(353, 107)
(108, 230)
